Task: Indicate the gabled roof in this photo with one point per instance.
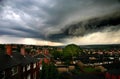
(24, 60)
(34, 60)
(39, 56)
(48, 55)
(7, 61)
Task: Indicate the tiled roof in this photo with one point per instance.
(7, 62)
(39, 56)
(15, 59)
(24, 60)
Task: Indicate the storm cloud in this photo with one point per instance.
(59, 20)
(97, 24)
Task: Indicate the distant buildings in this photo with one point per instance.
(25, 61)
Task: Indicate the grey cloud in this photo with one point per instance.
(55, 19)
(75, 10)
(97, 24)
(104, 37)
(30, 33)
(17, 30)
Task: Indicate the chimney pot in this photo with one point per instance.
(23, 51)
(9, 50)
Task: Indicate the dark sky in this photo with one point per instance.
(59, 22)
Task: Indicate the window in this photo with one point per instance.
(14, 70)
(34, 66)
(28, 67)
(40, 67)
(23, 69)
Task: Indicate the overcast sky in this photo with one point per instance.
(60, 22)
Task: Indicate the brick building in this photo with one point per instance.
(18, 65)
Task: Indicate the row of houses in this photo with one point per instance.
(21, 65)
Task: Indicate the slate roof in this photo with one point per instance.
(7, 62)
(39, 56)
(24, 60)
(34, 60)
(48, 56)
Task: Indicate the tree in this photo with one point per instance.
(49, 71)
(56, 54)
(53, 72)
(71, 51)
(43, 71)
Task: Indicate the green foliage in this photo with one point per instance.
(49, 71)
(53, 72)
(90, 69)
(76, 72)
(68, 53)
(71, 51)
(56, 54)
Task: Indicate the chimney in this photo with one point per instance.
(23, 51)
(9, 50)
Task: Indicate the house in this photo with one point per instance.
(18, 65)
(43, 56)
(28, 65)
(7, 65)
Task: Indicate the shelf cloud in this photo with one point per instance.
(60, 21)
